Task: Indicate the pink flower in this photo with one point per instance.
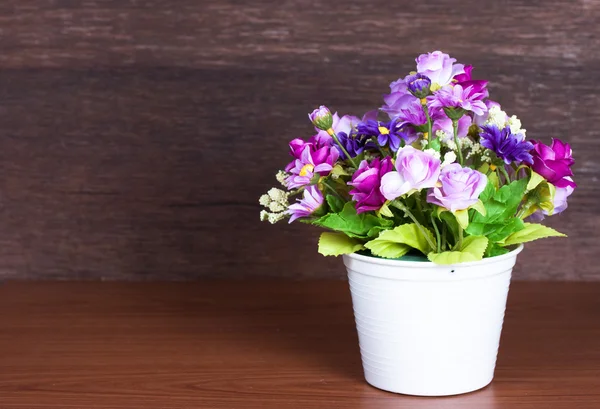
(311, 161)
(415, 170)
(554, 162)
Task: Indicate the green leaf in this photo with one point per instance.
(462, 217)
(503, 204)
(335, 203)
(352, 224)
(385, 210)
(334, 244)
(494, 250)
(435, 144)
(338, 170)
(501, 232)
(479, 207)
(488, 192)
(401, 239)
(493, 178)
(534, 180)
(532, 231)
(472, 249)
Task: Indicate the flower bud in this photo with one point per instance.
(418, 85)
(321, 118)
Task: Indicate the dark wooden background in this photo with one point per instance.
(136, 136)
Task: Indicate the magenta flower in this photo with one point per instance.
(460, 188)
(415, 170)
(312, 199)
(311, 161)
(455, 96)
(439, 67)
(367, 181)
(554, 162)
(465, 80)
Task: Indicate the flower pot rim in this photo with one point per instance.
(429, 264)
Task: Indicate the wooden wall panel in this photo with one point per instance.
(136, 136)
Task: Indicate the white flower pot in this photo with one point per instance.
(426, 329)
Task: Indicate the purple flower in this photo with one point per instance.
(466, 80)
(418, 85)
(506, 145)
(438, 67)
(443, 123)
(311, 200)
(321, 118)
(367, 181)
(345, 124)
(415, 170)
(560, 203)
(554, 162)
(460, 188)
(455, 96)
(387, 133)
(311, 161)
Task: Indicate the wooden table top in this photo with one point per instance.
(269, 344)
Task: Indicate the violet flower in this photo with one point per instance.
(438, 67)
(312, 200)
(367, 181)
(460, 188)
(507, 146)
(457, 97)
(415, 170)
(554, 162)
(387, 133)
(418, 85)
(311, 161)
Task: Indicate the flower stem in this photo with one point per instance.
(400, 206)
(505, 173)
(331, 132)
(437, 233)
(335, 192)
(429, 125)
(457, 141)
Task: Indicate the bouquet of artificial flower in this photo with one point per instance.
(448, 174)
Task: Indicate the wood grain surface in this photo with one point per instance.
(136, 136)
(277, 344)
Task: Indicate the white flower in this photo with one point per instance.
(450, 144)
(424, 143)
(276, 207)
(449, 157)
(277, 195)
(264, 215)
(275, 217)
(442, 136)
(281, 176)
(433, 153)
(496, 116)
(475, 149)
(264, 200)
(515, 125)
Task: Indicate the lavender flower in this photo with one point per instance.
(387, 133)
(456, 97)
(345, 124)
(418, 85)
(415, 170)
(444, 124)
(460, 188)
(438, 67)
(321, 118)
(312, 200)
(509, 147)
(367, 181)
(554, 162)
